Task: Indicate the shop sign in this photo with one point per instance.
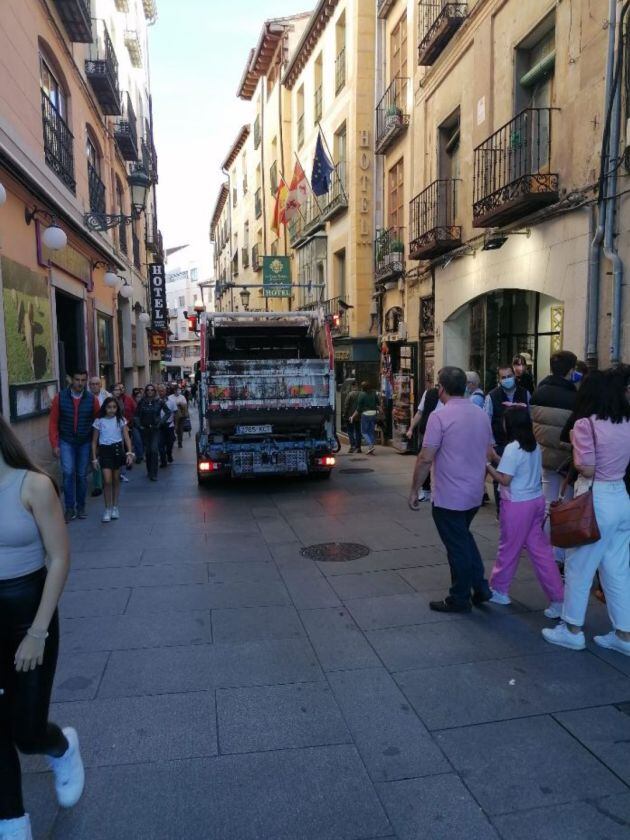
(157, 296)
(68, 259)
(167, 355)
(158, 341)
(343, 355)
(276, 277)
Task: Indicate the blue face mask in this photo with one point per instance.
(576, 376)
(508, 383)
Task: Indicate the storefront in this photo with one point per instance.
(354, 359)
(398, 380)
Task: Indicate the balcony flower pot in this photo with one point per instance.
(393, 116)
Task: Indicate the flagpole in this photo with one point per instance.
(310, 186)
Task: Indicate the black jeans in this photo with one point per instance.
(151, 443)
(167, 439)
(24, 723)
(467, 571)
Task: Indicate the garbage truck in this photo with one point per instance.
(266, 395)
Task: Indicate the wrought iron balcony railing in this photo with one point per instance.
(391, 117)
(257, 132)
(122, 237)
(336, 311)
(77, 20)
(135, 240)
(300, 131)
(151, 232)
(101, 69)
(96, 190)
(235, 264)
(149, 158)
(256, 260)
(273, 178)
(58, 143)
(432, 221)
(512, 174)
(340, 70)
(318, 103)
(438, 21)
(336, 199)
(258, 203)
(126, 131)
(389, 254)
(245, 256)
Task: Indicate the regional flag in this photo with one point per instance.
(298, 193)
(322, 168)
(278, 213)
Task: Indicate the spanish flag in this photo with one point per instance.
(281, 202)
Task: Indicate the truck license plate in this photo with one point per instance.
(253, 430)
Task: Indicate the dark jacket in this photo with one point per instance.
(526, 380)
(367, 401)
(350, 404)
(498, 397)
(151, 414)
(430, 404)
(74, 418)
(552, 405)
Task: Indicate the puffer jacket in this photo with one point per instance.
(552, 404)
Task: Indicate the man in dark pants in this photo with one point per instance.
(353, 426)
(457, 443)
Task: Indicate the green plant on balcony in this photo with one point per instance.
(393, 115)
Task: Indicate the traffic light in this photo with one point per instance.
(192, 322)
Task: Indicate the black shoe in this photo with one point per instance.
(70, 514)
(97, 492)
(170, 459)
(482, 597)
(449, 606)
(153, 478)
(81, 513)
(179, 445)
(139, 460)
(163, 465)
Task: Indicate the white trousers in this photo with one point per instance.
(610, 554)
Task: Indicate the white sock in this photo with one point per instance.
(15, 824)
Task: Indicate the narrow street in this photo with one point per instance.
(225, 687)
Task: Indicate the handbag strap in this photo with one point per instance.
(590, 420)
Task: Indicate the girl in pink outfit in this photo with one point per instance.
(522, 514)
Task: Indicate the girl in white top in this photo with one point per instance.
(111, 441)
(522, 514)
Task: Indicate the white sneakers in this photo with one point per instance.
(561, 635)
(115, 513)
(500, 598)
(107, 515)
(68, 771)
(554, 610)
(613, 642)
(424, 496)
(18, 829)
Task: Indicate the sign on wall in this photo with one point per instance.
(276, 277)
(157, 292)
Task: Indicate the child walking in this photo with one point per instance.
(110, 439)
(522, 514)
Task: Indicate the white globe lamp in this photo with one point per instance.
(54, 238)
(111, 279)
(126, 291)
(144, 318)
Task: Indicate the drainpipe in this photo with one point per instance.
(229, 178)
(610, 251)
(592, 304)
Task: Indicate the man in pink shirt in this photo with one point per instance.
(457, 445)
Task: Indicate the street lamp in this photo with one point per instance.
(126, 291)
(245, 296)
(144, 318)
(199, 306)
(139, 184)
(111, 279)
(53, 236)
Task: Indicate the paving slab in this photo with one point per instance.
(307, 587)
(379, 561)
(278, 717)
(434, 808)
(369, 584)
(479, 692)
(78, 676)
(93, 603)
(127, 632)
(252, 572)
(249, 624)
(605, 732)
(543, 765)
(607, 818)
(391, 739)
(175, 599)
(337, 640)
(388, 611)
(137, 576)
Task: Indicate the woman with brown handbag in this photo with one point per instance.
(601, 451)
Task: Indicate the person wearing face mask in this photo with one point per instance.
(507, 392)
(522, 374)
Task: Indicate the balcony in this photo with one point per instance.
(336, 199)
(122, 238)
(318, 105)
(149, 158)
(391, 119)
(511, 170)
(433, 228)
(389, 255)
(101, 69)
(244, 184)
(256, 260)
(151, 233)
(273, 178)
(235, 264)
(336, 312)
(245, 257)
(340, 70)
(96, 189)
(126, 131)
(134, 48)
(300, 131)
(122, 5)
(258, 203)
(150, 11)
(77, 19)
(58, 143)
(438, 21)
(135, 241)
(257, 132)
(307, 222)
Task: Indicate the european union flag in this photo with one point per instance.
(322, 168)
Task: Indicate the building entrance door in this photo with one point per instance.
(70, 335)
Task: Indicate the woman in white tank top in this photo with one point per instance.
(32, 530)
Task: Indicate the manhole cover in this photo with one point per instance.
(355, 470)
(335, 552)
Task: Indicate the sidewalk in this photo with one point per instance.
(227, 688)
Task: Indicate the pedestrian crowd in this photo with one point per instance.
(540, 447)
(89, 426)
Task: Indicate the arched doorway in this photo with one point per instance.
(491, 329)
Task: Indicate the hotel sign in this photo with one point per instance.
(276, 277)
(157, 294)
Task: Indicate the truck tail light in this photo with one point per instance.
(327, 461)
(208, 466)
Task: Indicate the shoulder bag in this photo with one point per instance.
(573, 522)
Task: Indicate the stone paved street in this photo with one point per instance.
(226, 688)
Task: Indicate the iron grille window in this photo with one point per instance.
(58, 143)
(340, 70)
(136, 249)
(258, 203)
(122, 237)
(96, 190)
(300, 131)
(318, 104)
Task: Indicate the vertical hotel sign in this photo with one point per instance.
(157, 291)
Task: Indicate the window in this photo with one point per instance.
(52, 88)
(181, 301)
(234, 196)
(95, 184)
(105, 339)
(300, 117)
(398, 50)
(340, 61)
(449, 161)
(340, 273)
(396, 197)
(318, 91)
(194, 275)
(535, 65)
(120, 209)
(58, 139)
(341, 152)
